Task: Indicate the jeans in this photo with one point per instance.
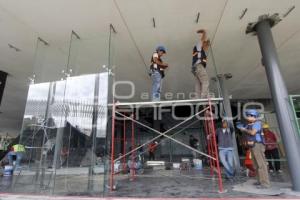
(19, 156)
(226, 157)
(156, 85)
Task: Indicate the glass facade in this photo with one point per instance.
(64, 132)
(75, 147)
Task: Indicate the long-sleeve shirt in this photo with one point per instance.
(270, 140)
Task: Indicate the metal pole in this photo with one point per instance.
(94, 133)
(124, 145)
(228, 115)
(133, 147)
(112, 166)
(279, 93)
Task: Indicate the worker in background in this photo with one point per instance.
(199, 65)
(271, 149)
(249, 164)
(225, 144)
(157, 72)
(3, 144)
(151, 149)
(194, 143)
(255, 141)
(17, 150)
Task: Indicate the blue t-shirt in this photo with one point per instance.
(258, 137)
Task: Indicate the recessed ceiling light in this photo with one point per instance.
(289, 10)
(13, 47)
(198, 17)
(76, 35)
(153, 20)
(43, 41)
(243, 13)
(112, 28)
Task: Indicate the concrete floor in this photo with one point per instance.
(157, 183)
(192, 184)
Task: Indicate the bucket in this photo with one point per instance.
(197, 164)
(8, 170)
(176, 165)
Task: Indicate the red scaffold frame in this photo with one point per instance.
(210, 130)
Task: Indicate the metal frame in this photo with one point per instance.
(294, 111)
(213, 150)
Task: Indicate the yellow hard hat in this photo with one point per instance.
(266, 125)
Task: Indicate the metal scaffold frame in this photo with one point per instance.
(209, 129)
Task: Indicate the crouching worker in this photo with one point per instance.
(18, 151)
(135, 165)
(255, 141)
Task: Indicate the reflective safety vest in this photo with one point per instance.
(19, 148)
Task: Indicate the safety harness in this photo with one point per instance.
(159, 68)
(257, 138)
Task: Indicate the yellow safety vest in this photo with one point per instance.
(19, 148)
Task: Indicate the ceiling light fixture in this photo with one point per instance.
(153, 20)
(43, 41)
(289, 10)
(243, 13)
(14, 48)
(112, 28)
(74, 33)
(198, 17)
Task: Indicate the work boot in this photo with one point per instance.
(256, 183)
(262, 186)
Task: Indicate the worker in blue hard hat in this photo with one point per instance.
(256, 143)
(157, 73)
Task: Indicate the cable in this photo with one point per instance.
(131, 35)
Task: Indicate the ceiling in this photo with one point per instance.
(130, 48)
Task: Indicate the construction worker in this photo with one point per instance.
(194, 143)
(225, 145)
(249, 164)
(271, 149)
(157, 73)
(151, 149)
(199, 65)
(255, 141)
(17, 150)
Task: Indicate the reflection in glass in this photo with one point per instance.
(64, 132)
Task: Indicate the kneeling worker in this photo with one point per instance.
(17, 150)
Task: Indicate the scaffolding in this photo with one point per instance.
(210, 130)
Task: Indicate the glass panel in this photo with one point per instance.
(78, 154)
(295, 102)
(64, 126)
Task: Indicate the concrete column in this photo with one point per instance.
(279, 93)
(228, 115)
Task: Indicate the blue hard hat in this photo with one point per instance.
(161, 48)
(253, 112)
